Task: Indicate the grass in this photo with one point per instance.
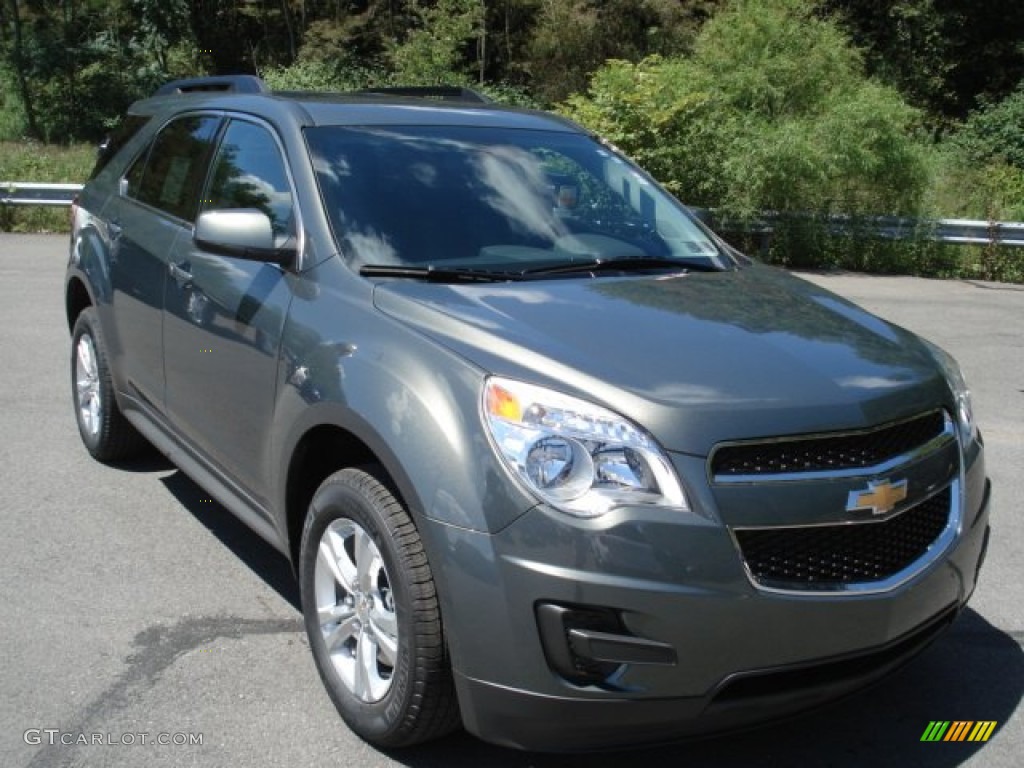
(31, 161)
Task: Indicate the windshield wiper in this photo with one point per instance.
(627, 264)
(438, 275)
(593, 266)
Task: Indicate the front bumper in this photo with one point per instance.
(527, 720)
(739, 655)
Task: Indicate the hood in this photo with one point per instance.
(695, 359)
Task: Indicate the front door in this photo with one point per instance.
(224, 316)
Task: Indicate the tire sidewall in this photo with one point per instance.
(86, 326)
(379, 721)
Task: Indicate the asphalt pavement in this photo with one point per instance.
(136, 611)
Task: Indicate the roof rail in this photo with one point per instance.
(438, 92)
(223, 83)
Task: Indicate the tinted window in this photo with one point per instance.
(120, 136)
(494, 198)
(250, 173)
(176, 166)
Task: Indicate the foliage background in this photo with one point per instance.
(806, 108)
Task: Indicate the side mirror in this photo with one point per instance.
(244, 233)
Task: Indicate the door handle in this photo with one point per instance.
(114, 240)
(180, 272)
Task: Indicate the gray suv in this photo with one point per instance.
(551, 459)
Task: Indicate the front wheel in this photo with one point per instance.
(372, 615)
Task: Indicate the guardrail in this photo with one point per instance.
(955, 231)
(29, 193)
(962, 231)
(966, 231)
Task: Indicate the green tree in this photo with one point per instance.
(565, 47)
(77, 65)
(432, 52)
(995, 132)
(572, 38)
(944, 55)
(772, 112)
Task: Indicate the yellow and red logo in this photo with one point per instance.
(959, 730)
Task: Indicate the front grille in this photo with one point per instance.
(831, 556)
(824, 453)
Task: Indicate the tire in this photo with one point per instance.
(107, 435)
(372, 613)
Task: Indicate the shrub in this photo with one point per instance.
(772, 112)
(341, 76)
(319, 75)
(995, 133)
(979, 170)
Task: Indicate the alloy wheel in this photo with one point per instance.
(356, 610)
(87, 385)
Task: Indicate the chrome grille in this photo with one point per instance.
(827, 453)
(833, 556)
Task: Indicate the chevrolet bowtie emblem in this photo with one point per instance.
(880, 498)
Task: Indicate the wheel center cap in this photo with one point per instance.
(363, 605)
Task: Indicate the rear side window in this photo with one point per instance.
(171, 175)
(120, 136)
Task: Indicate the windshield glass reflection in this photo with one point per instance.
(498, 199)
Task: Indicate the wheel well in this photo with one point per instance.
(75, 301)
(320, 453)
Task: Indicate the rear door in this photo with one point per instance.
(156, 204)
(224, 316)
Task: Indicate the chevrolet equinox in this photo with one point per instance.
(550, 459)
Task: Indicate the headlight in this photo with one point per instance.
(961, 393)
(577, 456)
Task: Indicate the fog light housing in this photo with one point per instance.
(556, 622)
(588, 645)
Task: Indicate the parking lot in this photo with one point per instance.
(137, 611)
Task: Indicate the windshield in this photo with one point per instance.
(506, 200)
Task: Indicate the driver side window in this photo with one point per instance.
(249, 172)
